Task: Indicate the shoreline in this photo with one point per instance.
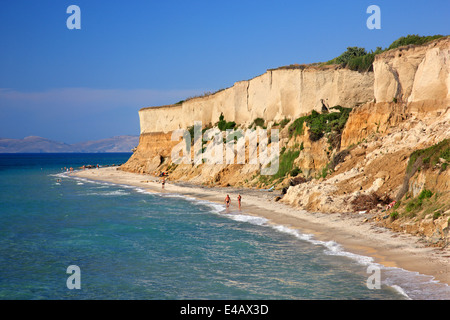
(388, 248)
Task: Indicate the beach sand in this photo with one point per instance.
(348, 230)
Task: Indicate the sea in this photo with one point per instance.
(68, 238)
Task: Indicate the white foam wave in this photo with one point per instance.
(401, 291)
(110, 193)
(250, 219)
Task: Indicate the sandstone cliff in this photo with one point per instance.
(411, 112)
(273, 96)
(400, 107)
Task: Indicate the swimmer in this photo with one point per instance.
(227, 200)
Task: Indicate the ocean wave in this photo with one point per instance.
(250, 219)
(108, 193)
(401, 291)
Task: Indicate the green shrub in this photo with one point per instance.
(425, 194)
(223, 125)
(394, 215)
(284, 122)
(445, 154)
(351, 53)
(258, 122)
(413, 205)
(295, 172)
(358, 59)
(321, 123)
(324, 172)
(413, 39)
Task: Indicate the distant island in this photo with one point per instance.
(34, 144)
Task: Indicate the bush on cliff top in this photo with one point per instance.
(412, 39)
(358, 59)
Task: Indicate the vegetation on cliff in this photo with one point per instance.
(328, 124)
(429, 157)
(320, 124)
(358, 59)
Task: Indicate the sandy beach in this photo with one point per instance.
(351, 231)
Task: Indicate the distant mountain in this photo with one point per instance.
(114, 144)
(35, 144)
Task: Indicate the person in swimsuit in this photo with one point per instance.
(239, 200)
(163, 182)
(227, 200)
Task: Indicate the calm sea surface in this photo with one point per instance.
(129, 244)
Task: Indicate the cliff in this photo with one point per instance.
(332, 160)
(409, 115)
(273, 96)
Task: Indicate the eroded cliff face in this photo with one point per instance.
(411, 111)
(273, 96)
(410, 82)
(403, 106)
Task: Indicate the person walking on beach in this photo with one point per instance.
(239, 200)
(227, 200)
(163, 182)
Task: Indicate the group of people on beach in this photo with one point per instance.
(228, 200)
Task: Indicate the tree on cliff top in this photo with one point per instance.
(352, 52)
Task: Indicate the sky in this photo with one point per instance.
(73, 85)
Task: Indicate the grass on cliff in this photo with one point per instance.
(437, 155)
(430, 157)
(286, 167)
(426, 204)
(328, 124)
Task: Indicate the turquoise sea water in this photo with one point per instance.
(130, 244)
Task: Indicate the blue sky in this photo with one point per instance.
(76, 85)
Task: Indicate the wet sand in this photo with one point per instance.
(348, 230)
